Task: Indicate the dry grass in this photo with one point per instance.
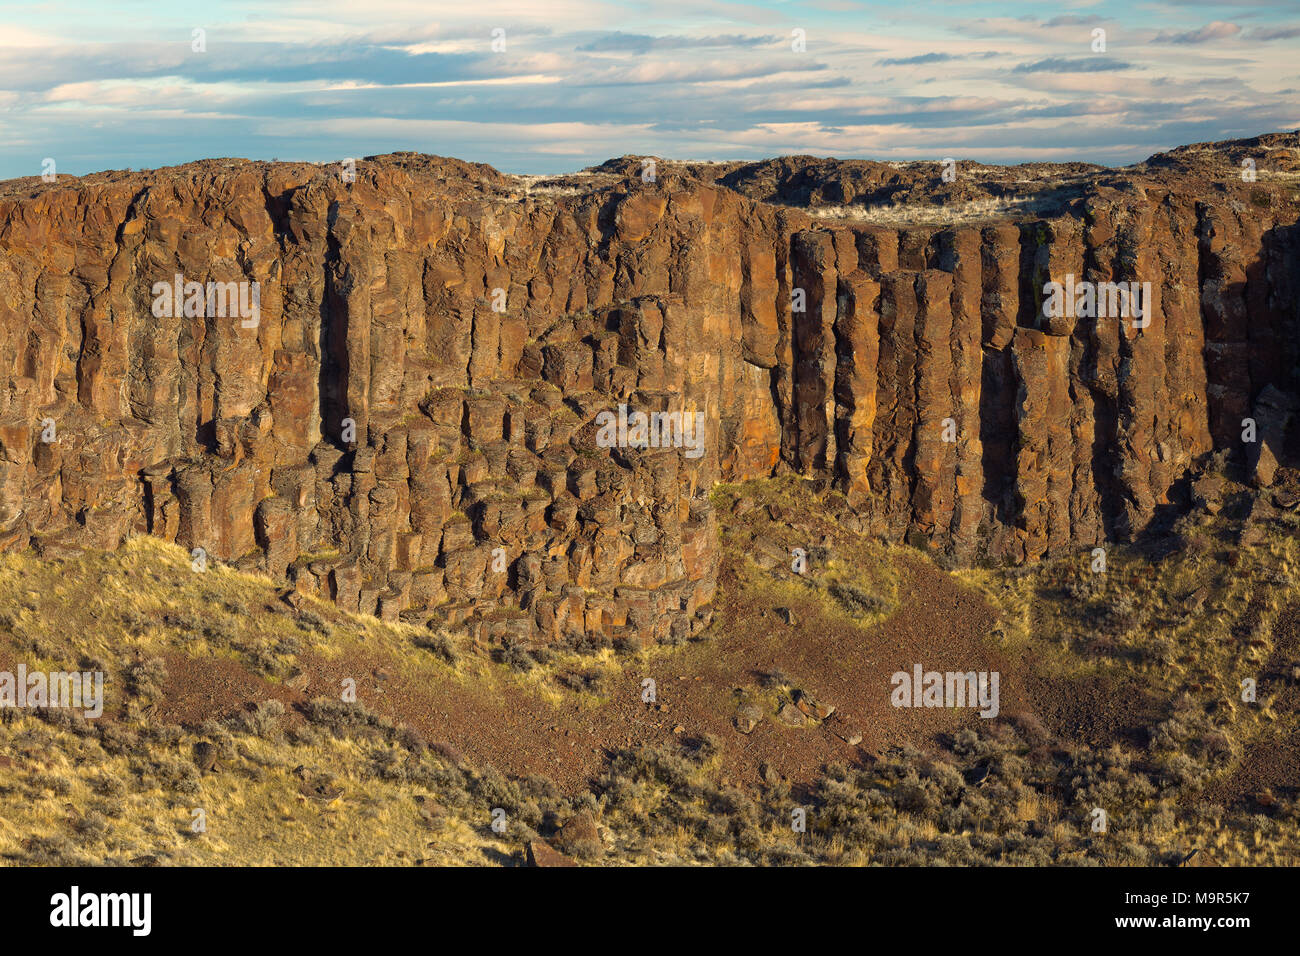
(337, 784)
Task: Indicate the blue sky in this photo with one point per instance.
(105, 85)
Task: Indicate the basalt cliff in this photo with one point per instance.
(407, 424)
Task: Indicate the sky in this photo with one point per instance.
(553, 86)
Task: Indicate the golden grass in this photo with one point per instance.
(74, 794)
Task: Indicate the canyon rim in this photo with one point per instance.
(436, 342)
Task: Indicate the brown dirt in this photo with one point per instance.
(1097, 710)
(941, 625)
(197, 689)
(1271, 765)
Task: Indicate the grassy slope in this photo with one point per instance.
(303, 778)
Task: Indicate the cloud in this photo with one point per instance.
(923, 58)
(1074, 21)
(1215, 30)
(644, 43)
(1277, 33)
(689, 72)
(1074, 65)
(582, 80)
(1062, 29)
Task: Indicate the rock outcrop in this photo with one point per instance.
(406, 415)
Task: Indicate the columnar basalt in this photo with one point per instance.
(409, 427)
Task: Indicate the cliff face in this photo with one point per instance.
(409, 420)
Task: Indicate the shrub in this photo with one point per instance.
(854, 599)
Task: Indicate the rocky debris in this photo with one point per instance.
(846, 729)
(1196, 599)
(319, 787)
(411, 423)
(748, 717)
(579, 836)
(1255, 525)
(1207, 493)
(769, 556)
(1273, 412)
(541, 853)
(1287, 500)
(792, 716)
(811, 707)
(1264, 468)
(57, 549)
